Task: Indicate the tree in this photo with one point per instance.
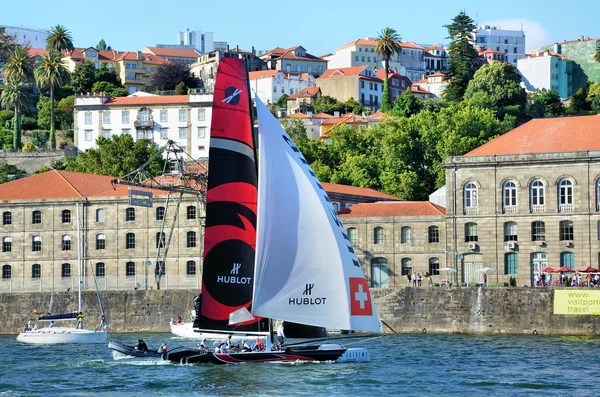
(327, 104)
(19, 65)
(282, 101)
(51, 71)
(103, 73)
(102, 45)
(597, 55)
(579, 102)
(83, 77)
(9, 172)
(181, 89)
(7, 43)
(16, 95)
(543, 103)
(387, 45)
(109, 89)
(463, 57)
(406, 105)
(167, 76)
(60, 39)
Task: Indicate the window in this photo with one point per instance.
(130, 241)
(100, 269)
(139, 134)
(566, 231)
(201, 132)
(182, 132)
(182, 115)
(470, 195)
(406, 266)
(471, 232)
(130, 269)
(36, 244)
(510, 231)
(190, 268)
(538, 231)
(567, 259)
(163, 116)
(201, 115)
(274, 89)
(160, 213)
(6, 244)
(378, 235)
(125, 117)
(191, 239)
(353, 235)
(36, 217)
(100, 241)
(511, 263)
(100, 215)
(106, 133)
(7, 218)
(405, 233)
(145, 116)
(509, 194)
(163, 133)
(88, 135)
(66, 216)
(433, 234)
(537, 193)
(191, 212)
(65, 270)
(160, 240)
(130, 214)
(379, 273)
(88, 118)
(36, 270)
(565, 192)
(434, 266)
(66, 243)
(6, 272)
(125, 131)
(106, 118)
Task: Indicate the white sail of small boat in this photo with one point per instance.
(67, 334)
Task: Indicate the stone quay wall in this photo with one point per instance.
(406, 310)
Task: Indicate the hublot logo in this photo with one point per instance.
(234, 279)
(309, 300)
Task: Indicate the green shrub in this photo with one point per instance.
(6, 118)
(39, 137)
(28, 123)
(6, 138)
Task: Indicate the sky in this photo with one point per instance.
(320, 27)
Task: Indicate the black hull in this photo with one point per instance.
(309, 353)
(132, 351)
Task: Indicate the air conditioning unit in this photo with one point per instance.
(511, 245)
(541, 243)
(473, 246)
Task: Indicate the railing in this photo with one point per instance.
(567, 208)
(471, 211)
(511, 209)
(538, 208)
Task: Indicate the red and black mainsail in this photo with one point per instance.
(231, 201)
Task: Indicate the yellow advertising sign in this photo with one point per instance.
(576, 302)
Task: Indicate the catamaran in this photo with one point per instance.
(274, 247)
(68, 334)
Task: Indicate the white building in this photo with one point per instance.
(510, 42)
(184, 119)
(270, 85)
(434, 83)
(547, 69)
(202, 42)
(35, 38)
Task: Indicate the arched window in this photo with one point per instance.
(36, 243)
(130, 241)
(65, 270)
(471, 232)
(36, 270)
(66, 243)
(565, 193)
(7, 218)
(6, 272)
(6, 244)
(470, 195)
(433, 234)
(130, 214)
(100, 215)
(509, 194)
(160, 240)
(353, 235)
(379, 273)
(567, 259)
(434, 266)
(160, 213)
(100, 269)
(36, 217)
(538, 231)
(378, 235)
(405, 235)
(100, 241)
(538, 195)
(130, 269)
(406, 266)
(66, 216)
(191, 268)
(510, 231)
(566, 231)
(511, 263)
(191, 239)
(191, 212)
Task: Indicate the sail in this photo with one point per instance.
(306, 269)
(231, 199)
(58, 317)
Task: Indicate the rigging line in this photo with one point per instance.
(386, 324)
(371, 337)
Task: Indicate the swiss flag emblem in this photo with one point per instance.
(360, 297)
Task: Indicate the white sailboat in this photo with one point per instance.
(66, 334)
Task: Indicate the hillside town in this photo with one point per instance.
(441, 159)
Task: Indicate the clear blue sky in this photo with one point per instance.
(319, 26)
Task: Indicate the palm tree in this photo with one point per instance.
(19, 65)
(51, 71)
(17, 95)
(388, 44)
(60, 39)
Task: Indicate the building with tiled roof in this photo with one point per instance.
(311, 122)
(526, 200)
(396, 82)
(358, 82)
(420, 92)
(302, 101)
(175, 55)
(436, 59)
(294, 59)
(509, 42)
(205, 67)
(489, 55)
(270, 85)
(547, 70)
(435, 84)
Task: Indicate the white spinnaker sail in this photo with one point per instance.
(306, 271)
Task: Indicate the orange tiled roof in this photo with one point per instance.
(148, 100)
(352, 71)
(37, 52)
(437, 74)
(551, 135)
(549, 53)
(417, 89)
(394, 208)
(173, 52)
(288, 53)
(356, 191)
(366, 41)
(579, 40)
(305, 92)
(345, 119)
(408, 44)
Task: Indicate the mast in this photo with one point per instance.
(79, 258)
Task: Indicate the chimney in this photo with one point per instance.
(336, 113)
(139, 55)
(309, 113)
(582, 38)
(253, 51)
(557, 48)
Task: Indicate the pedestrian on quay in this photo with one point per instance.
(408, 279)
(414, 279)
(485, 279)
(419, 279)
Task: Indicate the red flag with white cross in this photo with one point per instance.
(360, 297)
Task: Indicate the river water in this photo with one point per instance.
(405, 365)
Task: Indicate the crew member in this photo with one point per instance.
(280, 335)
(80, 320)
